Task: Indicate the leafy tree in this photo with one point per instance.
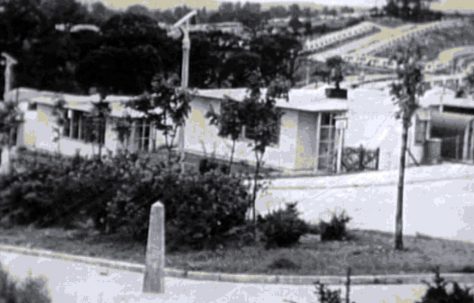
(49, 64)
(119, 69)
(262, 119)
(278, 56)
(405, 92)
(99, 13)
(413, 10)
(181, 11)
(10, 119)
(21, 21)
(251, 16)
(335, 65)
(123, 128)
(166, 108)
(221, 60)
(138, 9)
(295, 24)
(278, 11)
(59, 115)
(134, 48)
(295, 10)
(98, 118)
(68, 12)
(230, 123)
(238, 67)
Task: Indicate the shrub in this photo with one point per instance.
(438, 291)
(63, 190)
(207, 165)
(116, 193)
(201, 210)
(282, 228)
(326, 295)
(335, 229)
(32, 290)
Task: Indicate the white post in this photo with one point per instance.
(184, 84)
(340, 151)
(186, 51)
(341, 125)
(9, 63)
(154, 280)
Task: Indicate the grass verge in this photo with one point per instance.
(368, 252)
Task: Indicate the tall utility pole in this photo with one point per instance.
(9, 63)
(183, 25)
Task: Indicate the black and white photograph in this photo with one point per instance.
(237, 151)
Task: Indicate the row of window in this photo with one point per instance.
(79, 125)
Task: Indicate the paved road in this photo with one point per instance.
(439, 200)
(75, 282)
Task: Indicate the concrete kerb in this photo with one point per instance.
(378, 184)
(243, 278)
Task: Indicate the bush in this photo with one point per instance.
(207, 165)
(326, 295)
(335, 229)
(201, 209)
(29, 291)
(282, 228)
(438, 291)
(63, 190)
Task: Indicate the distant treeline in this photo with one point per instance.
(131, 47)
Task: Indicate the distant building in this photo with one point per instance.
(235, 28)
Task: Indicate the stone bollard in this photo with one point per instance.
(154, 281)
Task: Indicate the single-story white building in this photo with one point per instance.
(308, 139)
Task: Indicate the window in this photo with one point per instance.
(143, 135)
(80, 126)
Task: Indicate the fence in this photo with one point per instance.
(360, 159)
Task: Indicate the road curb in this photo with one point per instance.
(242, 278)
(363, 185)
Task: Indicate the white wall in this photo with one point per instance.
(202, 138)
(38, 132)
(372, 123)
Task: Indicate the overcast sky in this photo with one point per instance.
(443, 4)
